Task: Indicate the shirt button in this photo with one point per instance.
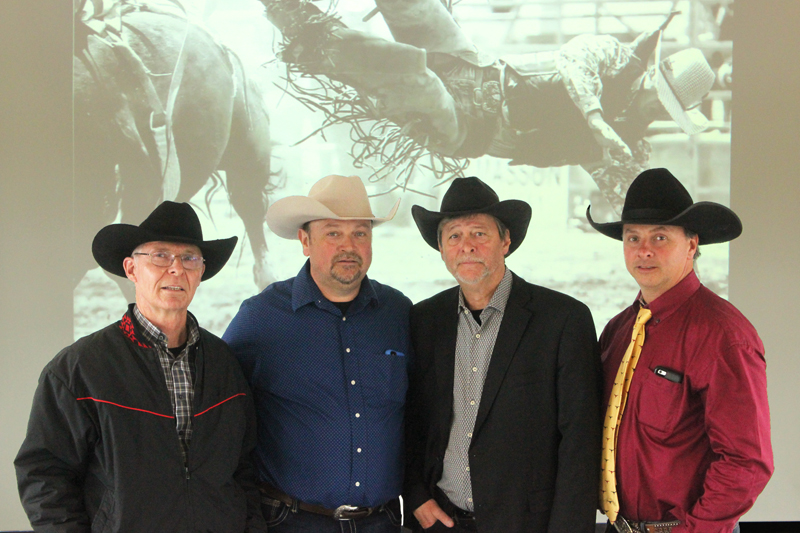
(358, 450)
(358, 483)
(358, 415)
(469, 500)
(472, 402)
(344, 318)
(477, 335)
(347, 350)
(469, 435)
(474, 368)
(353, 382)
(467, 469)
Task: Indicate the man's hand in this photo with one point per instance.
(606, 137)
(429, 512)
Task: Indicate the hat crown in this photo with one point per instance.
(175, 219)
(689, 76)
(468, 194)
(344, 195)
(655, 194)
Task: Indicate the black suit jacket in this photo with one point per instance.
(535, 452)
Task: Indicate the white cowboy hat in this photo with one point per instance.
(682, 81)
(336, 197)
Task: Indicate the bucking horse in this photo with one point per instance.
(162, 131)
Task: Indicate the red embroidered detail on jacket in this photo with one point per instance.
(126, 325)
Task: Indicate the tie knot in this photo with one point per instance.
(643, 316)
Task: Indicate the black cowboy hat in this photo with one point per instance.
(471, 196)
(170, 222)
(657, 197)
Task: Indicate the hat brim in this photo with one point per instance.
(288, 215)
(714, 223)
(114, 243)
(515, 214)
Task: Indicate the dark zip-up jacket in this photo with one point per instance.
(102, 453)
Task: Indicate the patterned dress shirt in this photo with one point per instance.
(474, 345)
(329, 389)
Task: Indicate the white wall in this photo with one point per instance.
(35, 177)
(765, 191)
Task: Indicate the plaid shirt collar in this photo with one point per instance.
(157, 338)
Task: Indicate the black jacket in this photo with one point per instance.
(102, 454)
(535, 452)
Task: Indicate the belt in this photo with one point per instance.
(343, 512)
(465, 519)
(628, 526)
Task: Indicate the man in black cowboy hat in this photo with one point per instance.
(502, 414)
(148, 424)
(693, 450)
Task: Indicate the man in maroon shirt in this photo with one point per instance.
(693, 447)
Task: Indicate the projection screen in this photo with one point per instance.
(382, 96)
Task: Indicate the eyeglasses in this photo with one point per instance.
(165, 259)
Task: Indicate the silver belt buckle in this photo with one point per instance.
(622, 525)
(337, 514)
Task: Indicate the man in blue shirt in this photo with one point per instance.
(326, 354)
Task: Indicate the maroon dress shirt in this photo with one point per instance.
(698, 451)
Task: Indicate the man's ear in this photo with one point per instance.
(305, 240)
(694, 243)
(129, 265)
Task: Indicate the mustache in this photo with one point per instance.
(470, 259)
(350, 256)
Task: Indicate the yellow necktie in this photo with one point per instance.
(609, 501)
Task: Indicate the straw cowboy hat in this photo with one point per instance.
(657, 197)
(169, 222)
(682, 81)
(333, 197)
(471, 196)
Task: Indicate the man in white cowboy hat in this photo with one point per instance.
(148, 424)
(326, 354)
(693, 450)
(503, 403)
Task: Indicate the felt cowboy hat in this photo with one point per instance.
(471, 196)
(682, 81)
(332, 197)
(169, 222)
(657, 197)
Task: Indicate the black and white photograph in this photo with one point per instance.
(231, 105)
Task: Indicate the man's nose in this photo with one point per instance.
(468, 244)
(176, 267)
(645, 250)
(348, 243)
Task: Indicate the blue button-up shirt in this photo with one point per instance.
(329, 389)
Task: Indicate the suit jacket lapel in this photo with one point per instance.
(515, 321)
(445, 355)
